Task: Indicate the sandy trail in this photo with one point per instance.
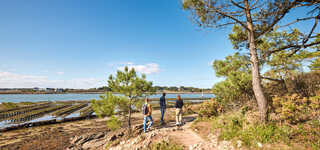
(185, 135)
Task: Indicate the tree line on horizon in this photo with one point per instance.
(164, 89)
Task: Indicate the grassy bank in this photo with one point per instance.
(290, 126)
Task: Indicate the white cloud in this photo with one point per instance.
(13, 80)
(146, 69)
(60, 73)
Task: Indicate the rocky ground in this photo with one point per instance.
(94, 135)
(185, 136)
(55, 137)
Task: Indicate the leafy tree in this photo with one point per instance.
(284, 67)
(315, 65)
(105, 88)
(257, 18)
(132, 86)
(108, 106)
(237, 73)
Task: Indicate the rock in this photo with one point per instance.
(94, 144)
(87, 141)
(100, 135)
(239, 143)
(137, 127)
(75, 140)
(259, 144)
(115, 136)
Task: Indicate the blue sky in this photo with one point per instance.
(79, 43)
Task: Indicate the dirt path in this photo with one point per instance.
(186, 136)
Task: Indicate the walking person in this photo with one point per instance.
(162, 107)
(147, 112)
(178, 106)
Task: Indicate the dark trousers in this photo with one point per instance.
(163, 110)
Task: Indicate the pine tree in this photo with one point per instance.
(257, 18)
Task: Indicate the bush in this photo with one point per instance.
(114, 123)
(237, 86)
(308, 133)
(163, 145)
(9, 105)
(293, 109)
(109, 105)
(210, 109)
(138, 104)
(235, 127)
(305, 84)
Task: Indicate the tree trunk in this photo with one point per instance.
(256, 79)
(129, 118)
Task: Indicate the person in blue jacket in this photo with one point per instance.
(162, 106)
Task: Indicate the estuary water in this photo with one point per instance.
(66, 97)
(8, 122)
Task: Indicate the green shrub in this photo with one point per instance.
(305, 84)
(26, 103)
(210, 109)
(163, 145)
(114, 123)
(138, 104)
(269, 133)
(9, 105)
(308, 133)
(293, 109)
(235, 127)
(109, 104)
(237, 86)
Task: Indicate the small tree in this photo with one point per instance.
(108, 106)
(132, 86)
(315, 65)
(237, 85)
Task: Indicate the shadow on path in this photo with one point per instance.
(172, 124)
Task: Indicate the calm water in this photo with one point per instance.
(65, 97)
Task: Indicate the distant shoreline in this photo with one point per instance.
(35, 93)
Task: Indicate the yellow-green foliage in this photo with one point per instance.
(235, 127)
(139, 104)
(237, 85)
(308, 133)
(294, 109)
(210, 109)
(296, 121)
(9, 105)
(163, 145)
(114, 123)
(109, 104)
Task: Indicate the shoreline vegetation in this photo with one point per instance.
(102, 90)
(99, 92)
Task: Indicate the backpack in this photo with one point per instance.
(145, 109)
